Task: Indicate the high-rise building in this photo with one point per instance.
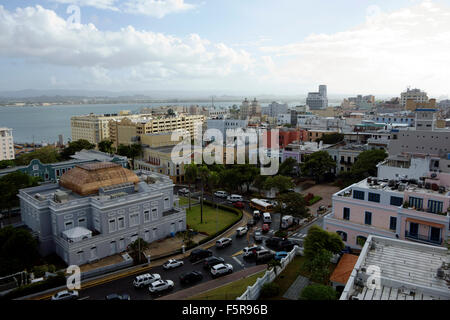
(318, 100)
(274, 109)
(413, 94)
(6, 144)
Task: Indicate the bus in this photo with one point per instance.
(261, 205)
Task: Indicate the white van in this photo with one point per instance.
(235, 198)
(267, 218)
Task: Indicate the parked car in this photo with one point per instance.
(251, 223)
(280, 244)
(280, 255)
(65, 295)
(264, 255)
(241, 231)
(221, 194)
(221, 269)
(184, 191)
(239, 205)
(191, 277)
(199, 254)
(115, 296)
(223, 242)
(172, 263)
(256, 214)
(212, 261)
(265, 228)
(250, 252)
(273, 242)
(257, 236)
(161, 285)
(321, 208)
(235, 198)
(145, 279)
(267, 218)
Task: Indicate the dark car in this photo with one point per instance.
(273, 242)
(251, 223)
(115, 296)
(199, 254)
(191, 277)
(212, 261)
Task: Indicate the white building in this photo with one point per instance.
(318, 100)
(6, 144)
(284, 118)
(413, 94)
(224, 125)
(274, 109)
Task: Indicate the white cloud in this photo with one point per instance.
(389, 51)
(99, 4)
(41, 36)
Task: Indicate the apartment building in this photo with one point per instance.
(401, 270)
(345, 155)
(274, 109)
(95, 128)
(6, 144)
(127, 131)
(413, 94)
(96, 210)
(222, 126)
(318, 100)
(298, 151)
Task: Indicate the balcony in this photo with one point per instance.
(420, 238)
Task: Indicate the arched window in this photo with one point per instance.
(360, 240)
(343, 235)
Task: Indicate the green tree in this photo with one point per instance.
(287, 167)
(318, 292)
(247, 173)
(281, 183)
(318, 239)
(75, 146)
(10, 185)
(18, 250)
(190, 175)
(292, 204)
(259, 182)
(331, 138)
(47, 154)
(137, 249)
(317, 165)
(274, 264)
(319, 266)
(6, 164)
(203, 174)
(105, 146)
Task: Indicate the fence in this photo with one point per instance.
(252, 292)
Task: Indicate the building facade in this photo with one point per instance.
(413, 94)
(6, 144)
(97, 210)
(318, 100)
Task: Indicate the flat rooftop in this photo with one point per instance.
(408, 271)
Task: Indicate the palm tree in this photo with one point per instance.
(274, 264)
(203, 173)
(137, 248)
(190, 174)
(213, 182)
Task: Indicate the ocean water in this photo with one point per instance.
(43, 124)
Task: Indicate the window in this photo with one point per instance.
(361, 240)
(358, 194)
(393, 223)
(121, 222)
(396, 201)
(134, 219)
(146, 215)
(374, 197)
(82, 222)
(435, 206)
(68, 225)
(343, 235)
(166, 203)
(155, 213)
(416, 202)
(112, 225)
(368, 218)
(346, 214)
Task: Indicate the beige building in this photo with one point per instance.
(95, 128)
(126, 131)
(413, 94)
(6, 144)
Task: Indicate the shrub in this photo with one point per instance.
(318, 292)
(270, 290)
(280, 234)
(28, 289)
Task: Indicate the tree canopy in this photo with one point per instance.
(10, 185)
(279, 182)
(287, 167)
(331, 138)
(75, 146)
(318, 239)
(317, 165)
(105, 146)
(47, 154)
(293, 204)
(318, 292)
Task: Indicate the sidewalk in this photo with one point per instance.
(213, 284)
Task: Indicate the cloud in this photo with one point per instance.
(40, 36)
(389, 51)
(153, 8)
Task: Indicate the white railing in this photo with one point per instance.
(253, 292)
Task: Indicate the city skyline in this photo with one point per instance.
(288, 48)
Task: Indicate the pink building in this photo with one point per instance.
(416, 210)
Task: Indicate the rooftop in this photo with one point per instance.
(407, 271)
(344, 268)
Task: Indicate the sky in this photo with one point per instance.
(375, 47)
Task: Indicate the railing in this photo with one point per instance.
(253, 292)
(419, 237)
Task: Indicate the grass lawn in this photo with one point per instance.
(314, 200)
(230, 291)
(209, 225)
(185, 201)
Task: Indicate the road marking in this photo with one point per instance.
(238, 261)
(84, 298)
(237, 253)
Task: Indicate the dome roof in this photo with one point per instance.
(88, 178)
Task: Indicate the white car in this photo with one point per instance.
(252, 250)
(145, 279)
(65, 295)
(235, 198)
(223, 242)
(184, 191)
(221, 194)
(221, 269)
(172, 263)
(241, 231)
(160, 285)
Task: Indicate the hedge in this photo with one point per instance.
(52, 282)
